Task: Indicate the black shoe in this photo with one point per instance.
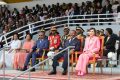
(32, 70)
(64, 72)
(52, 73)
(24, 69)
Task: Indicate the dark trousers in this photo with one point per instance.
(32, 55)
(65, 62)
(105, 52)
(118, 54)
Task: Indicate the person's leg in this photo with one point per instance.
(84, 63)
(55, 63)
(34, 56)
(79, 63)
(105, 53)
(65, 63)
(27, 61)
(118, 54)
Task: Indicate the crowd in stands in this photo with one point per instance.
(20, 55)
(11, 20)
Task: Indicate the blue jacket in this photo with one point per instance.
(41, 44)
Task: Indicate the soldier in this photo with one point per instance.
(80, 35)
(54, 38)
(65, 37)
(79, 31)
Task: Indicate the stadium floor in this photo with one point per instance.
(43, 75)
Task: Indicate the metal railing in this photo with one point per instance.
(82, 20)
(28, 70)
(4, 49)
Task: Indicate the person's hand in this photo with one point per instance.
(104, 48)
(37, 50)
(31, 50)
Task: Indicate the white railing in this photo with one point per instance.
(82, 20)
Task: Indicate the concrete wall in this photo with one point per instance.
(40, 2)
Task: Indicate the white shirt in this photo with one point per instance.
(15, 44)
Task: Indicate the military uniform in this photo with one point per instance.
(80, 35)
(54, 40)
(64, 38)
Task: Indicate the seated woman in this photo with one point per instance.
(92, 45)
(19, 57)
(9, 55)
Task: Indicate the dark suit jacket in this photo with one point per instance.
(110, 44)
(118, 9)
(75, 42)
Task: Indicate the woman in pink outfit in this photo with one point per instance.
(20, 56)
(92, 45)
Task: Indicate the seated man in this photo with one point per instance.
(37, 50)
(73, 41)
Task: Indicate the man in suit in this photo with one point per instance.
(37, 50)
(73, 41)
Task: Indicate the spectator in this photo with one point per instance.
(107, 8)
(114, 6)
(76, 9)
(9, 55)
(27, 15)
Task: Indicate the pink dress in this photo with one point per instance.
(19, 57)
(92, 45)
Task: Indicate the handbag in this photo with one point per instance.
(113, 57)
